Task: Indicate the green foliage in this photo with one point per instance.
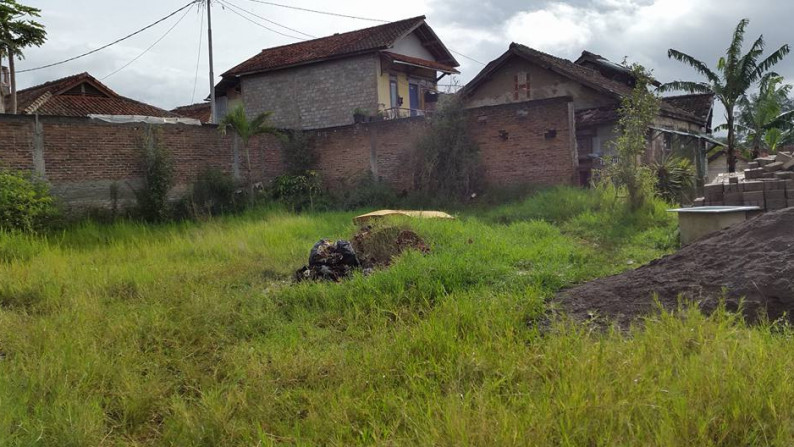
(637, 112)
(25, 203)
(299, 154)
(158, 178)
(246, 129)
(299, 192)
(367, 192)
(448, 160)
(213, 193)
(675, 179)
(735, 75)
(17, 28)
(762, 123)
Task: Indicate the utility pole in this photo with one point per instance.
(213, 118)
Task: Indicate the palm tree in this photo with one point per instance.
(735, 74)
(16, 33)
(762, 119)
(245, 129)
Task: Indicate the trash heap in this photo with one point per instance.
(768, 183)
(371, 248)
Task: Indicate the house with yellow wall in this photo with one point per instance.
(388, 71)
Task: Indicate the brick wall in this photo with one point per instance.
(522, 143)
(314, 96)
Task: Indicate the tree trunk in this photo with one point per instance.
(731, 142)
(13, 81)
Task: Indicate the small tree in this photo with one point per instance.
(247, 129)
(25, 202)
(158, 178)
(16, 33)
(637, 112)
(448, 159)
(762, 121)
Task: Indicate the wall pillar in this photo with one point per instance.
(39, 166)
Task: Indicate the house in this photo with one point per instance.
(596, 87)
(200, 111)
(83, 95)
(718, 164)
(389, 71)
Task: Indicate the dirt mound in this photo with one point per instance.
(377, 247)
(754, 260)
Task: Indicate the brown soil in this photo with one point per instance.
(377, 247)
(754, 260)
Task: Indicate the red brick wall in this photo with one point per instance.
(514, 145)
(82, 157)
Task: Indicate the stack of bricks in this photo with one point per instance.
(768, 183)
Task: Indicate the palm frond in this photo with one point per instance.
(736, 45)
(685, 86)
(772, 59)
(694, 63)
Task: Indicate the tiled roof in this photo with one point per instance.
(584, 75)
(420, 62)
(50, 99)
(597, 115)
(200, 111)
(699, 104)
(361, 41)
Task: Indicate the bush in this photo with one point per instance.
(299, 156)
(448, 160)
(675, 179)
(213, 193)
(158, 178)
(367, 191)
(25, 203)
(299, 192)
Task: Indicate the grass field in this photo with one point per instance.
(192, 335)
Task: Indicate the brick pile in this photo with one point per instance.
(768, 183)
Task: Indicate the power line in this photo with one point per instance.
(467, 57)
(150, 46)
(198, 57)
(228, 3)
(318, 12)
(112, 43)
(259, 24)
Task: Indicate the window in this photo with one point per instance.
(393, 93)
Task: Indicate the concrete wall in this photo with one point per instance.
(314, 96)
(522, 143)
(541, 83)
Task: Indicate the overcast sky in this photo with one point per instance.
(641, 30)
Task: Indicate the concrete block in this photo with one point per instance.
(700, 201)
(789, 185)
(753, 165)
(774, 185)
(736, 179)
(715, 203)
(763, 161)
(784, 175)
(790, 203)
(783, 157)
(753, 185)
(734, 198)
(732, 187)
(777, 194)
(772, 167)
(768, 175)
(753, 173)
(772, 205)
(754, 196)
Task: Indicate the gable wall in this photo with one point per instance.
(543, 84)
(410, 45)
(316, 95)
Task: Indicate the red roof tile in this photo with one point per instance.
(200, 111)
(58, 98)
(361, 41)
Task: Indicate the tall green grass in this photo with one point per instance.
(192, 335)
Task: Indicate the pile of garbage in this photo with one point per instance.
(371, 248)
(751, 263)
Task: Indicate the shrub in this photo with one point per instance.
(299, 192)
(158, 178)
(299, 155)
(367, 191)
(675, 179)
(448, 160)
(25, 202)
(213, 193)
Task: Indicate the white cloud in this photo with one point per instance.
(559, 27)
